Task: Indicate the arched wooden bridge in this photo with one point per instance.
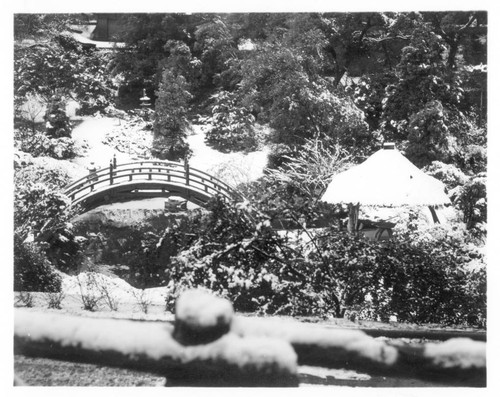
(147, 179)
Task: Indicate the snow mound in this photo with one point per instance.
(96, 284)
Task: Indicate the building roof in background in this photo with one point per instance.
(83, 34)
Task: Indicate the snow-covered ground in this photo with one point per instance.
(232, 168)
(115, 299)
(89, 137)
(96, 283)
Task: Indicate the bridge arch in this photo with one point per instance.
(147, 179)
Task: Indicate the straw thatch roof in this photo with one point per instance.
(386, 179)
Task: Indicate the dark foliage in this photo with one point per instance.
(32, 270)
(471, 199)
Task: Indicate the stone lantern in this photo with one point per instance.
(145, 99)
(145, 104)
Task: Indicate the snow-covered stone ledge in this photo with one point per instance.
(150, 346)
(209, 346)
(446, 361)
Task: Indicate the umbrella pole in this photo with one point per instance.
(352, 224)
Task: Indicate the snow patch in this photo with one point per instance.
(323, 373)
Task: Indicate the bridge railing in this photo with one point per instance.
(150, 171)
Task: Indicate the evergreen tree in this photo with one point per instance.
(170, 117)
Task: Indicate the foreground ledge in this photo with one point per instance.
(229, 361)
(210, 346)
(457, 360)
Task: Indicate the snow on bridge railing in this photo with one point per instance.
(209, 346)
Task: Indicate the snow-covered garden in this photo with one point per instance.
(358, 229)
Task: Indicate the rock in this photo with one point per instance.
(201, 318)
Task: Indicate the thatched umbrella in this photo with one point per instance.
(385, 179)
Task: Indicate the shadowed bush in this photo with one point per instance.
(32, 270)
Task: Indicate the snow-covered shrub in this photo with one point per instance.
(40, 144)
(54, 300)
(310, 170)
(62, 66)
(142, 300)
(25, 299)
(230, 128)
(238, 255)
(38, 206)
(474, 158)
(449, 174)
(419, 281)
(108, 296)
(471, 199)
(42, 213)
(90, 289)
(57, 123)
(31, 110)
(32, 270)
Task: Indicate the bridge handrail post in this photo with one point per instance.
(186, 168)
(111, 172)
